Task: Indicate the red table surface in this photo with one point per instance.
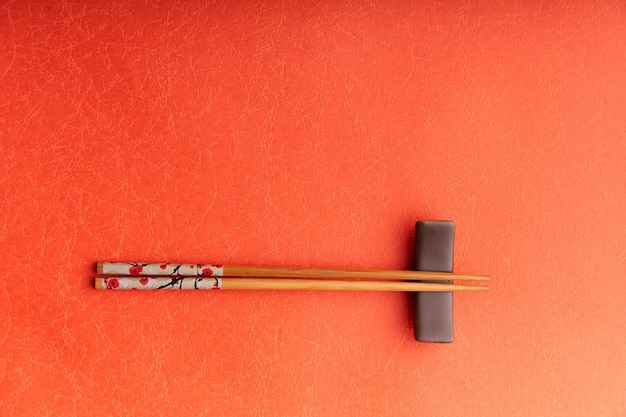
(312, 134)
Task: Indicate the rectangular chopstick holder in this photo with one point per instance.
(434, 248)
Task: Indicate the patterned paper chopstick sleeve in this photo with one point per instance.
(160, 283)
(157, 269)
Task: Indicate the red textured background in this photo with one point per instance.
(312, 134)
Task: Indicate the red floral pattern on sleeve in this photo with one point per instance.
(135, 270)
(162, 269)
(162, 283)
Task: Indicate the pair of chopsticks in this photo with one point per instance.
(157, 276)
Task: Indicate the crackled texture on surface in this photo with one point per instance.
(312, 134)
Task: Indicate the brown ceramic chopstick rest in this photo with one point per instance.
(434, 248)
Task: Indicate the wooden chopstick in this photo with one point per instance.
(208, 270)
(203, 283)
